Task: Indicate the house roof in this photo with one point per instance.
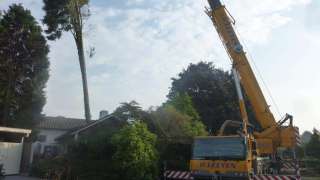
(61, 123)
(110, 122)
(84, 128)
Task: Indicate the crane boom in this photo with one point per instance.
(241, 155)
(224, 26)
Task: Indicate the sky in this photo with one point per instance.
(141, 44)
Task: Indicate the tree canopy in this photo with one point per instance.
(313, 146)
(69, 16)
(129, 111)
(183, 103)
(212, 92)
(64, 15)
(135, 156)
(23, 68)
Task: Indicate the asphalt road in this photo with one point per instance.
(30, 178)
(19, 178)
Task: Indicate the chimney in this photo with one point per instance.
(103, 113)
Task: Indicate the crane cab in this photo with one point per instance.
(221, 157)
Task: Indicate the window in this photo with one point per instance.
(219, 148)
(42, 138)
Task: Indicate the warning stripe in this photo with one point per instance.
(289, 165)
(297, 134)
(183, 175)
(272, 177)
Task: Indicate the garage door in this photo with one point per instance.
(10, 157)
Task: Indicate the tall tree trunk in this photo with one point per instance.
(79, 43)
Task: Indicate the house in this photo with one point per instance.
(54, 132)
(48, 129)
(107, 124)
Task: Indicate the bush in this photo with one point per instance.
(50, 168)
(135, 153)
(313, 166)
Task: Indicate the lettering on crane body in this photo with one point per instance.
(218, 165)
(229, 29)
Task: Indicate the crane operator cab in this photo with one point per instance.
(221, 157)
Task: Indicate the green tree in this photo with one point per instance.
(129, 111)
(184, 104)
(135, 153)
(23, 68)
(212, 92)
(313, 147)
(176, 126)
(69, 15)
(175, 132)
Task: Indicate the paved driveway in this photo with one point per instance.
(19, 178)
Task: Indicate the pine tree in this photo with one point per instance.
(69, 16)
(23, 68)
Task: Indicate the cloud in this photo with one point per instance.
(142, 47)
(34, 5)
(141, 44)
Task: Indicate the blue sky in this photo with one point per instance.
(141, 44)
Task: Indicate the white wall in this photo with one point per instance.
(51, 135)
(10, 157)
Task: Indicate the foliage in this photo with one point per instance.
(69, 15)
(299, 152)
(175, 131)
(64, 15)
(183, 103)
(91, 155)
(132, 111)
(212, 92)
(313, 147)
(305, 137)
(129, 111)
(107, 153)
(23, 68)
(313, 166)
(135, 153)
(55, 168)
(175, 155)
(174, 125)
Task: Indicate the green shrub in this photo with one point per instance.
(313, 165)
(49, 168)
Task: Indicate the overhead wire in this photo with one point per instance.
(255, 68)
(259, 74)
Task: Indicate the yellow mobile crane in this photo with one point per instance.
(238, 156)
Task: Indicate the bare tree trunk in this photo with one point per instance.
(79, 43)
